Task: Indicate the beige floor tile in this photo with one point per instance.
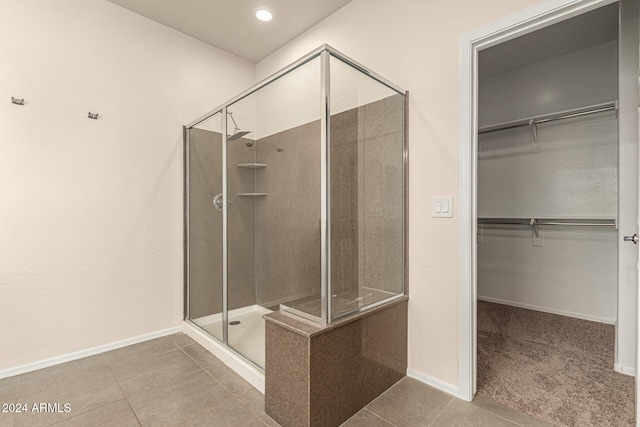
(234, 383)
(254, 401)
(137, 352)
(460, 413)
(409, 403)
(364, 418)
(505, 412)
(33, 382)
(201, 355)
(218, 369)
(8, 389)
(229, 379)
(116, 414)
(155, 371)
(83, 384)
(196, 400)
(181, 340)
(267, 420)
(6, 418)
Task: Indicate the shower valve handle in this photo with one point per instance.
(217, 202)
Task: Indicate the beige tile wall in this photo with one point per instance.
(274, 241)
(205, 222)
(288, 218)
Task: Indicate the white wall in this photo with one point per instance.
(290, 102)
(414, 44)
(91, 213)
(577, 79)
(572, 271)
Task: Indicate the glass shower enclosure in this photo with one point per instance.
(295, 201)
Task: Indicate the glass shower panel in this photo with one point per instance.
(205, 287)
(366, 190)
(273, 155)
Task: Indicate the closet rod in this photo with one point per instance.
(568, 114)
(571, 222)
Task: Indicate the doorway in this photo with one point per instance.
(478, 180)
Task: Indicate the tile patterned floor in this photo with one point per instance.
(173, 381)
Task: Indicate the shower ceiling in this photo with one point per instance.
(232, 25)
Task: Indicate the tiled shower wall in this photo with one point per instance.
(288, 218)
(205, 225)
(380, 194)
(274, 240)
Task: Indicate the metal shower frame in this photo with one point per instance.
(324, 52)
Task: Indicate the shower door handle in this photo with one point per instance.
(217, 202)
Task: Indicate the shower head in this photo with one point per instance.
(237, 133)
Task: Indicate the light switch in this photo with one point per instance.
(442, 207)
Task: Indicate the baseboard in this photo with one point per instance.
(606, 320)
(434, 382)
(242, 367)
(623, 369)
(57, 360)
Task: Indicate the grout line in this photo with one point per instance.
(133, 411)
(387, 390)
(179, 346)
(441, 411)
(87, 411)
(233, 395)
(378, 416)
(496, 415)
(198, 363)
(124, 394)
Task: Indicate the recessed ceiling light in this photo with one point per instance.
(263, 14)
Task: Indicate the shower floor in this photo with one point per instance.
(341, 303)
(246, 337)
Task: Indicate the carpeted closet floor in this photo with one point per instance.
(555, 368)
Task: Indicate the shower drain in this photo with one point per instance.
(235, 322)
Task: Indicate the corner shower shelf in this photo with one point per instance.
(251, 165)
(251, 194)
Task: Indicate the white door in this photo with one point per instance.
(638, 296)
(629, 126)
(630, 94)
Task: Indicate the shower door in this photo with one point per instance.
(273, 154)
(205, 226)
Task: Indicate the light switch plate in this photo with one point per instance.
(442, 207)
(537, 240)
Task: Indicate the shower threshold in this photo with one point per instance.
(245, 337)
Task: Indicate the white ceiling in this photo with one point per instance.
(584, 31)
(231, 24)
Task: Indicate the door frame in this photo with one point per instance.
(532, 19)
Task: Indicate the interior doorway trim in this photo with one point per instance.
(529, 20)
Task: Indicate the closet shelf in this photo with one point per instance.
(251, 165)
(251, 194)
(536, 120)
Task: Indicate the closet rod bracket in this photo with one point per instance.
(534, 226)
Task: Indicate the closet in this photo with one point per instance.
(548, 208)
